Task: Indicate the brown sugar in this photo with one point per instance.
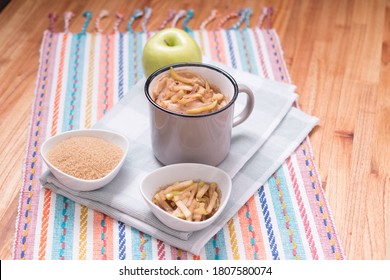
(87, 158)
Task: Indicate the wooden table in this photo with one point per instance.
(337, 53)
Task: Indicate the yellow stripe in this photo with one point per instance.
(233, 240)
(83, 233)
(91, 66)
(88, 122)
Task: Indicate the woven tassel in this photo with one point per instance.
(88, 16)
(148, 12)
(52, 20)
(226, 18)
(269, 17)
(137, 14)
(67, 18)
(178, 16)
(267, 13)
(262, 17)
(103, 14)
(248, 14)
(190, 15)
(119, 19)
(242, 16)
(171, 15)
(214, 15)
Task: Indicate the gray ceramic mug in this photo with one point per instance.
(204, 138)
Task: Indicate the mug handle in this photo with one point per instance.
(250, 102)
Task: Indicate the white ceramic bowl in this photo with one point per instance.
(180, 172)
(80, 184)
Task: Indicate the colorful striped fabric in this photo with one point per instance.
(81, 76)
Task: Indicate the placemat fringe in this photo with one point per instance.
(190, 15)
(267, 13)
(67, 18)
(214, 14)
(178, 16)
(243, 15)
(233, 14)
(137, 14)
(102, 14)
(52, 20)
(119, 19)
(148, 13)
(88, 17)
(171, 15)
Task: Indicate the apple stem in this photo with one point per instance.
(166, 42)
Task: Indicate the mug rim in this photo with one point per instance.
(191, 64)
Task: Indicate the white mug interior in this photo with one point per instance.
(215, 76)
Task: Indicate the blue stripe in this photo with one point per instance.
(135, 253)
(245, 42)
(136, 244)
(231, 48)
(131, 60)
(244, 64)
(135, 57)
(248, 43)
(219, 243)
(284, 232)
(59, 224)
(268, 224)
(122, 241)
(120, 78)
(140, 70)
(74, 83)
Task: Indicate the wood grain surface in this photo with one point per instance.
(337, 53)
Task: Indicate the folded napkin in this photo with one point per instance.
(259, 146)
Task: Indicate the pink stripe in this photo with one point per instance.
(275, 55)
(106, 74)
(102, 237)
(217, 48)
(260, 53)
(337, 244)
(177, 254)
(313, 193)
(111, 72)
(160, 250)
(97, 241)
(249, 222)
(272, 33)
(302, 210)
(28, 202)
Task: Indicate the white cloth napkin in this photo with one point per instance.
(259, 146)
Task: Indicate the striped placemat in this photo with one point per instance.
(82, 75)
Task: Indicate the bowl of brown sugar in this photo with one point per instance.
(85, 159)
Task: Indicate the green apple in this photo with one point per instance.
(168, 46)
